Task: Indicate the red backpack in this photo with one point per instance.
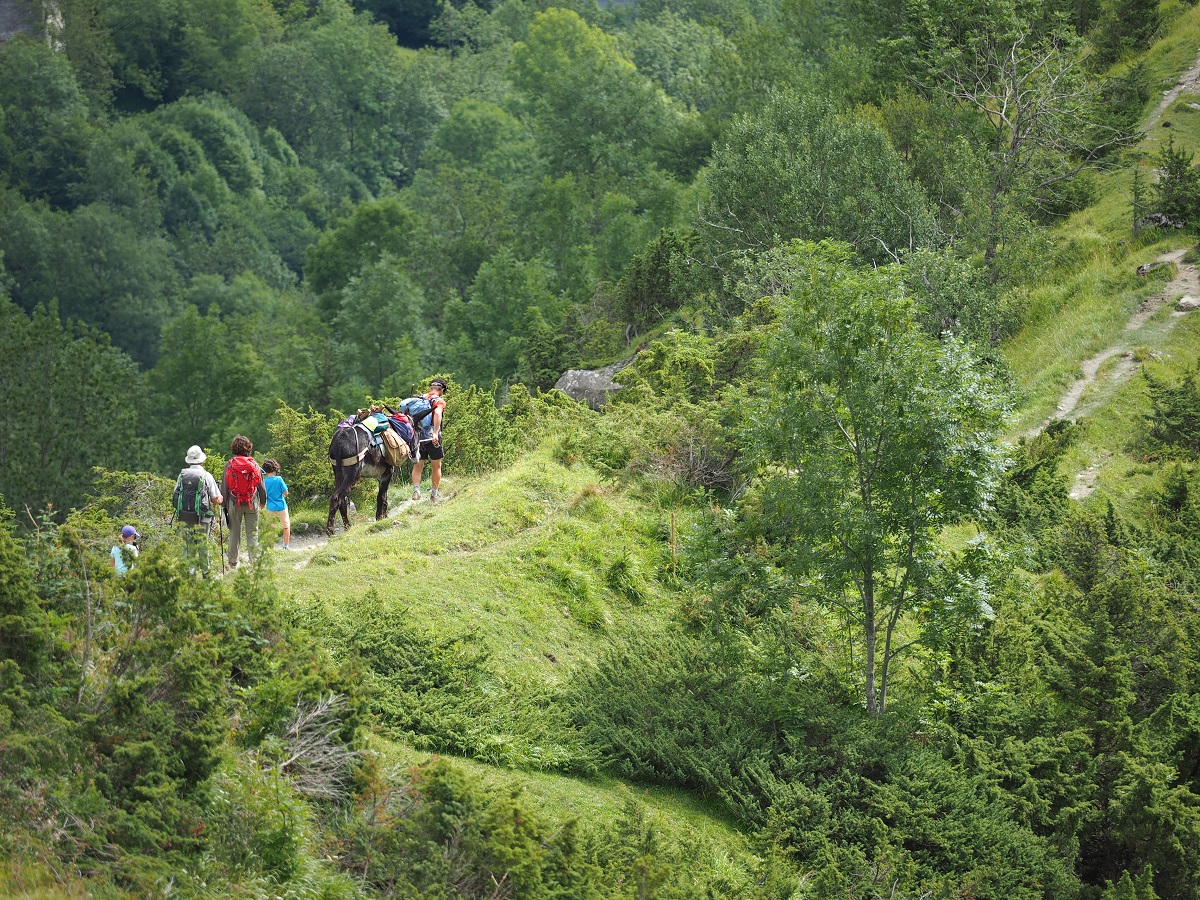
(242, 479)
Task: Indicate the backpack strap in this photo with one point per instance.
(355, 460)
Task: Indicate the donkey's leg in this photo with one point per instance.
(343, 498)
(351, 480)
(334, 501)
(381, 508)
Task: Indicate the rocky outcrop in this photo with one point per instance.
(592, 386)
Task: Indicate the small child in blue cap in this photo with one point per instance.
(121, 562)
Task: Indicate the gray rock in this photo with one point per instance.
(592, 386)
(1188, 302)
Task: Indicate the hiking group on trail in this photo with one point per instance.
(242, 487)
(196, 499)
(277, 489)
(414, 431)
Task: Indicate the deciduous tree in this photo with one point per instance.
(874, 435)
(1024, 77)
(801, 169)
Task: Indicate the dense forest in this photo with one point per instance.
(818, 566)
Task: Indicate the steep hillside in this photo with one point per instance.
(877, 579)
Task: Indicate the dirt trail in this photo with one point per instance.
(1186, 283)
(1188, 83)
(311, 541)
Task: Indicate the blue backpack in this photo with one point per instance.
(420, 410)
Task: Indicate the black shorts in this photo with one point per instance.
(430, 450)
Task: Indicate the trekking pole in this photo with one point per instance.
(221, 541)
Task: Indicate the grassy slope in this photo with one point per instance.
(1084, 301)
(1087, 295)
(524, 557)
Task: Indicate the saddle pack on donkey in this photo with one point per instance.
(391, 434)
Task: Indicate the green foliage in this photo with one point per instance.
(594, 114)
(1177, 190)
(204, 375)
(340, 93)
(300, 441)
(656, 283)
(1125, 27)
(486, 332)
(136, 690)
(1174, 417)
(953, 297)
(1018, 70)
(803, 169)
(480, 436)
(672, 710)
(44, 132)
(27, 637)
(443, 833)
(260, 824)
(885, 435)
(81, 379)
(180, 45)
(431, 690)
(373, 229)
(1032, 497)
(270, 207)
(1140, 888)
(380, 328)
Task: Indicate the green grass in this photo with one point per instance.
(27, 878)
(536, 559)
(1082, 302)
(1109, 438)
(1175, 52)
(543, 564)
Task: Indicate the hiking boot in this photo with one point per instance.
(433, 495)
(416, 494)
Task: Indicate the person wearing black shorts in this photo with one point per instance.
(430, 447)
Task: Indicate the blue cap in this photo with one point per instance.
(129, 531)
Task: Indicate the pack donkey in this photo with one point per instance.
(354, 454)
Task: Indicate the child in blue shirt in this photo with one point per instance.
(277, 506)
(126, 551)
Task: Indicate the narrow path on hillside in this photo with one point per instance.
(315, 539)
(1188, 83)
(1186, 283)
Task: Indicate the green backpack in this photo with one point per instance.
(192, 503)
